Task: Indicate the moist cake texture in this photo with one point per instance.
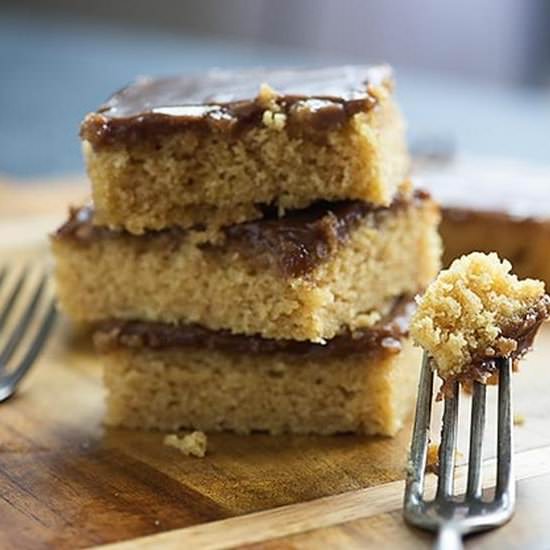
(213, 149)
(194, 378)
(477, 311)
(171, 388)
(322, 276)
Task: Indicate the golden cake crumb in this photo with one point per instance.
(274, 120)
(519, 419)
(476, 311)
(267, 97)
(432, 458)
(193, 444)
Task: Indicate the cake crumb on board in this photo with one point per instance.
(432, 458)
(519, 419)
(193, 444)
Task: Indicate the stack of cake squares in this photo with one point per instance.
(252, 253)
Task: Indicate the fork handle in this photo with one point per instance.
(449, 537)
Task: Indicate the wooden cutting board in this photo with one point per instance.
(66, 481)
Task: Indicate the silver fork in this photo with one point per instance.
(27, 300)
(452, 516)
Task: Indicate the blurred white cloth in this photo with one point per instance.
(520, 188)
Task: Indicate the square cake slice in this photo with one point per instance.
(496, 205)
(305, 276)
(168, 378)
(214, 148)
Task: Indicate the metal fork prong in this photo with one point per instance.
(421, 433)
(23, 323)
(32, 353)
(474, 488)
(477, 428)
(10, 302)
(448, 442)
(3, 273)
(505, 477)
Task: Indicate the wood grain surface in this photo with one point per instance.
(66, 481)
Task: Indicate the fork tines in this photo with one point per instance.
(471, 512)
(27, 314)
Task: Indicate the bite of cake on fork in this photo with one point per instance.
(475, 322)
